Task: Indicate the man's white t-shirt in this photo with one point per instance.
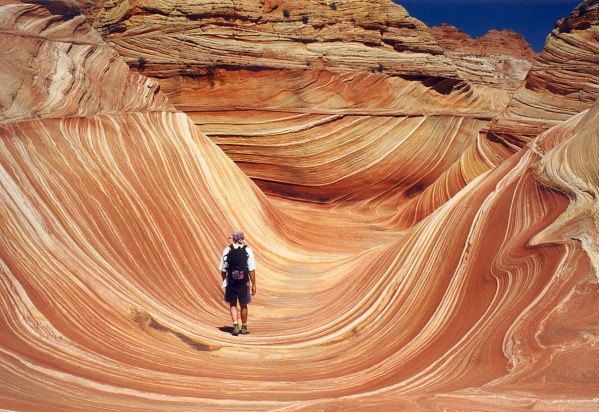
(251, 261)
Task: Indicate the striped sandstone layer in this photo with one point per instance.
(495, 42)
(354, 90)
(272, 35)
(115, 211)
(500, 59)
(563, 80)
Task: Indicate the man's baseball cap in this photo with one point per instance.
(237, 236)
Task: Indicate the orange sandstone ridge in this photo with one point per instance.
(360, 72)
(499, 58)
(505, 42)
(563, 81)
(454, 271)
(273, 35)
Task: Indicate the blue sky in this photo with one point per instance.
(534, 19)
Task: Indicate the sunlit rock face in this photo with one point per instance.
(115, 208)
(272, 34)
(563, 80)
(502, 42)
(45, 74)
(338, 72)
(497, 60)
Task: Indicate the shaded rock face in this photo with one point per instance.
(468, 283)
(90, 9)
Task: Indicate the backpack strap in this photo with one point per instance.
(247, 268)
(230, 250)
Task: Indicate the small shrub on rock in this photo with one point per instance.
(141, 63)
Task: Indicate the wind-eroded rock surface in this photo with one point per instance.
(360, 72)
(497, 60)
(563, 80)
(57, 68)
(451, 273)
(273, 34)
(502, 42)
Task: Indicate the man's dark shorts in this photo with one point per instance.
(240, 292)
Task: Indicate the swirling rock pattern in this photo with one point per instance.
(345, 71)
(114, 212)
(563, 81)
(190, 36)
(46, 74)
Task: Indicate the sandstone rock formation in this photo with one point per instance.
(90, 9)
(44, 73)
(505, 42)
(275, 34)
(497, 60)
(115, 208)
(563, 80)
(363, 72)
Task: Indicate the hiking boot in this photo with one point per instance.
(244, 330)
(235, 329)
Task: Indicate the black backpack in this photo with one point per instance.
(237, 266)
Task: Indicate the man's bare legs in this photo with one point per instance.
(235, 313)
(234, 316)
(244, 314)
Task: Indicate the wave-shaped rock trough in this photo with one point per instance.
(435, 270)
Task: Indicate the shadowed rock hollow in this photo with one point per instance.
(425, 219)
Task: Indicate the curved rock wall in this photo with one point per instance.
(115, 211)
(45, 73)
(563, 80)
(327, 65)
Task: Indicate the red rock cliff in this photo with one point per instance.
(504, 42)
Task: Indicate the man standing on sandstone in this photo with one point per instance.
(237, 268)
